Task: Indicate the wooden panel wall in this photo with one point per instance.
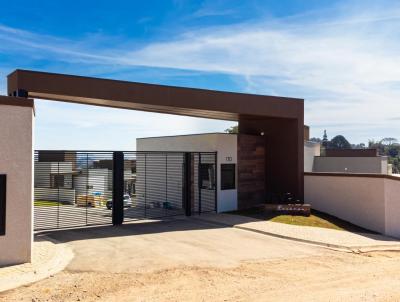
(251, 170)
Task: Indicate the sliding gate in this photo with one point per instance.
(83, 188)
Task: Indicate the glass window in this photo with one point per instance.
(228, 172)
(57, 181)
(207, 176)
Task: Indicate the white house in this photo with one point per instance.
(94, 182)
(53, 181)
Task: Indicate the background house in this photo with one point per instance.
(63, 176)
(53, 176)
(344, 160)
(352, 161)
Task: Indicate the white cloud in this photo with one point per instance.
(341, 65)
(345, 62)
(72, 126)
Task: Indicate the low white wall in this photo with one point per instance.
(369, 201)
(16, 160)
(392, 197)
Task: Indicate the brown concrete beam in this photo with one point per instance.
(149, 97)
(15, 101)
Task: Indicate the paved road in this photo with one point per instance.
(191, 260)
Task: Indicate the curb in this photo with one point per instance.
(24, 274)
(352, 249)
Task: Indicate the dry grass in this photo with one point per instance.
(316, 219)
(312, 220)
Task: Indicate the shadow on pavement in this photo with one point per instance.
(129, 229)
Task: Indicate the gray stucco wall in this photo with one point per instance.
(376, 165)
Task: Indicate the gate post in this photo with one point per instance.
(118, 188)
(187, 186)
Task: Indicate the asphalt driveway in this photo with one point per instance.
(159, 245)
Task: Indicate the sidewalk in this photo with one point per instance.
(48, 258)
(361, 242)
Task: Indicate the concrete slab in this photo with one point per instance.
(314, 235)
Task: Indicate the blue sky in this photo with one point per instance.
(342, 57)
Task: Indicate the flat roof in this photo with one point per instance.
(183, 135)
(150, 97)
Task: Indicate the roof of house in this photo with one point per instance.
(183, 135)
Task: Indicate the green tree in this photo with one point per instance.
(339, 142)
(395, 161)
(388, 141)
(358, 146)
(232, 129)
(315, 140)
(389, 147)
(393, 150)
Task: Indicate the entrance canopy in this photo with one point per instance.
(149, 97)
(279, 120)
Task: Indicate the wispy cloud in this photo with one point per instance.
(345, 62)
(89, 127)
(43, 46)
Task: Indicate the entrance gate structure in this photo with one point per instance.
(84, 188)
(277, 122)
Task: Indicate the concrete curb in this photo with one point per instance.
(52, 258)
(353, 249)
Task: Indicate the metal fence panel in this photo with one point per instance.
(71, 188)
(75, 188)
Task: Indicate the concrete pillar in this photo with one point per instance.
(284, 152)
(16, 160)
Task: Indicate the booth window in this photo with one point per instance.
(2, 204)
(228, 181)
(57, 181)
(207, 176)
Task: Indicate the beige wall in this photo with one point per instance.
(367, 201)
(16, 160)
(351, 164)
(392, 197)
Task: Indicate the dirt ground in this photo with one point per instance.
(172, 270)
